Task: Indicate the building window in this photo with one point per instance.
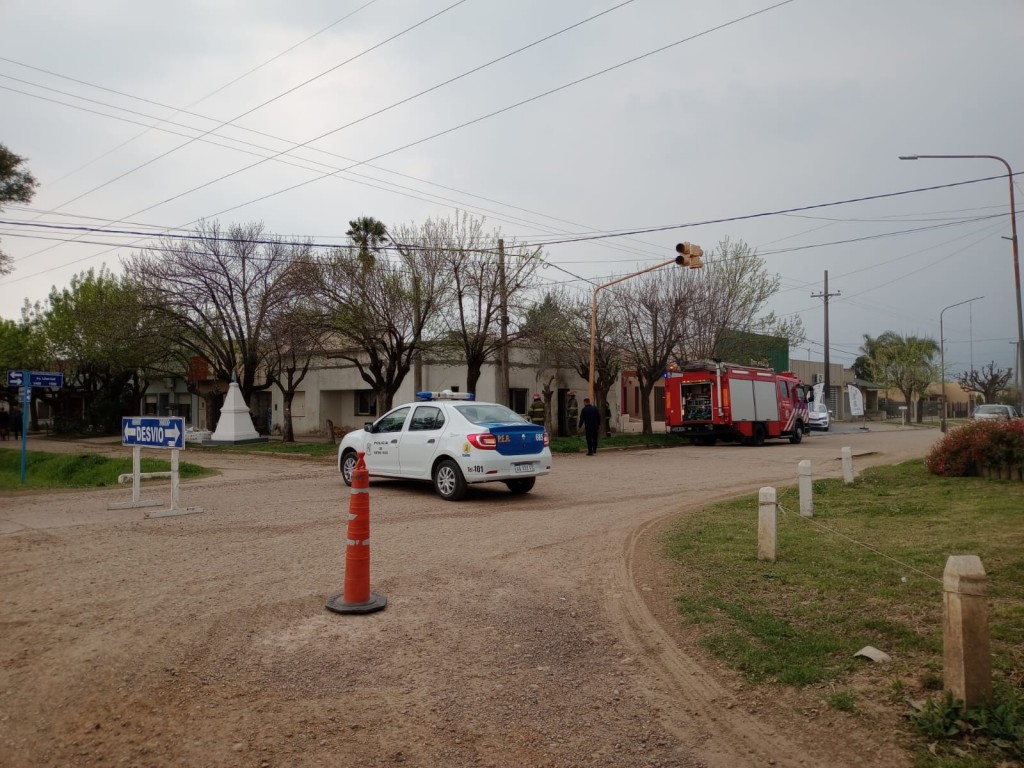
(517, 400)
(366, 403)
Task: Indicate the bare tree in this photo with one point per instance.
(729, 295)
(478, 286)
(651, 309)
(990, 382)
(221, 290)
(378, 312)
(296, 335)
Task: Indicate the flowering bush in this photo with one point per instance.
(978, 445)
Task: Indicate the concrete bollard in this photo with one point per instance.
(847, 465)
(967, 663)
(767, 528)
(806, 489)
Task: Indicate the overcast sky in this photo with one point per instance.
(129, 114)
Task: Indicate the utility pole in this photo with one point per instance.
(503, 383)
(826, 296)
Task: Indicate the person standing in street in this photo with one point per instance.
(590, 420)
(16, 419)
(536, 412)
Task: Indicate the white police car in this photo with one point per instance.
(451, 440)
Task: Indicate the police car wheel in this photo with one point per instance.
(524, 485)
(348, 465)
(448, 481)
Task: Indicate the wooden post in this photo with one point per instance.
(806, 489)
(766, 524)
(966, 656)
(847, 466)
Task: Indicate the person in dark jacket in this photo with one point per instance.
(16, 419)
(590, 420)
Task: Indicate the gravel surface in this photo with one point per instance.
(531, 630)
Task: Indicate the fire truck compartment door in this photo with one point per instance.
(741, 397)
(766, 401)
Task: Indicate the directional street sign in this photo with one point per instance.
(52, 380)
(153, 431)
(35, 379)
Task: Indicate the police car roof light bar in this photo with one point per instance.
(445, 394)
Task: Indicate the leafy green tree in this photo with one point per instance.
(17, 185)
(905, 363)
(107, 343)
(23, 347)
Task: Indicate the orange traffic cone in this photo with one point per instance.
(357, 597)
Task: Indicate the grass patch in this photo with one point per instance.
(86, 470)
(272, 446)
(866, 570)
(577, 444)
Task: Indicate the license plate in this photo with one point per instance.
(524, 467)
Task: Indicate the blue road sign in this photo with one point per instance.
(52, 380)
(153, 431)
(35, 379)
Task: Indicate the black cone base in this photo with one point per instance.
(337, 604)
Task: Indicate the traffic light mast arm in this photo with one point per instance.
(593, 318)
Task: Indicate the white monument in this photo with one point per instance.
(235, 424)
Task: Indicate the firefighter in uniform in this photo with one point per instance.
(572, 410)
(536, 412)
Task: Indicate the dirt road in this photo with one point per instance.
(520, 631)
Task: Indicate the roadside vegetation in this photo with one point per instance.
(866, 570)
(85, 470)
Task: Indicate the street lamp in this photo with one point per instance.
(689, 256)
(942, 359)
(1013, 243)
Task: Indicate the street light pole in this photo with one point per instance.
(1013, 243)
(942, 359)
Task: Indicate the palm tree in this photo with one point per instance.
(906, 363)
(368, 233)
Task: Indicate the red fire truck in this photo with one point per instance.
(712, 401)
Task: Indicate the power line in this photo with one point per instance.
(184, 110)
(263, 104)
(475, 120)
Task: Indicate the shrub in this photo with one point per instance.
(977, 445)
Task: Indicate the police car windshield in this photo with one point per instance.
(488, 413)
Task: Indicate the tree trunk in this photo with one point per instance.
(287, 431)
(646, 387)
(473, 376)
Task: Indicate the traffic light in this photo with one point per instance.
(689, 255)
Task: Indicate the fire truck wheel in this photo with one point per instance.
(758, 434)
(798, 433)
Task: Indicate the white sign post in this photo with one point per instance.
(154, 432)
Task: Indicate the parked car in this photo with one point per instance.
(451, 440)
(818, 416)
(993, 412)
